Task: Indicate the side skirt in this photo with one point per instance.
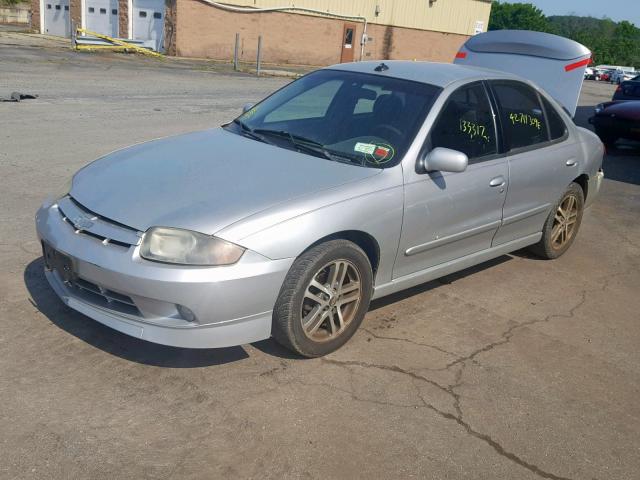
(453, 266)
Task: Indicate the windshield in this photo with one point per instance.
(362, 119)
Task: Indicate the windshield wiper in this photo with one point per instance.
(299, 143)
(310, 146)
(248, 132)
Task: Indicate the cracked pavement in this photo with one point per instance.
(515, 369)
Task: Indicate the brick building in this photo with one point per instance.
(313, 32)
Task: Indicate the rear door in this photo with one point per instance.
(543, 158)
(450, 215)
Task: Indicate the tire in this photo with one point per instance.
(300, 300)
(553, 243)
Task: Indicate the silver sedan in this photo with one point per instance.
(351, 183)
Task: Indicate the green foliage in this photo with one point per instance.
(517, 16)
(611, 43)
(10, 2)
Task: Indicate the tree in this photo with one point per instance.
(517, 16)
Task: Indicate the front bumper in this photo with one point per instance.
(232, 305)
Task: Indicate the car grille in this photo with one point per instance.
(102, 297)
(86, 222)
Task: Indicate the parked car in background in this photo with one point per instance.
(616, 120)
(604, 75)
(629, 90)
(589, 73)
(622, 74)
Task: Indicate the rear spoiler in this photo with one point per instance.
(554, 63)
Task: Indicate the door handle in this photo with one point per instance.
(571, 163)
(497, 182)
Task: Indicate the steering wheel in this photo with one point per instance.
(384, 129)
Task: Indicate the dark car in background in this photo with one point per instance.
(629, 90)
(617, 119)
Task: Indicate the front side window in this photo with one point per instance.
(466, 124)
(363, 119)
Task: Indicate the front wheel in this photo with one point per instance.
(562, 224)
(323, 299)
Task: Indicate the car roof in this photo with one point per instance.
(438, 74)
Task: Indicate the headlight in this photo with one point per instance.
(598, 108)
(173, 245)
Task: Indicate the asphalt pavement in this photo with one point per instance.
(516, 369)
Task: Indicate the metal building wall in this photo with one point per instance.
(453, 16)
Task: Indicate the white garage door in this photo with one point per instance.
(101, 16)
(148, 21)
(56, 18)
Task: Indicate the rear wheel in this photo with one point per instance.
(562, 224)
(323, 299)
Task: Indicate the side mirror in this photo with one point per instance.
(247, 107)
(445, 160)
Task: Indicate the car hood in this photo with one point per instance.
(202, 181)
(627, 109)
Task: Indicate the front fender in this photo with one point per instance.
(374, 207)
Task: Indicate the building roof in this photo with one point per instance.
(439, 74)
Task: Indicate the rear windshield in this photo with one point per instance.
(363, 119)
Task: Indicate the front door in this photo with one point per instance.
(450, 215)
(348, 45)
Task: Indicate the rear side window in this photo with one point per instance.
(521, 115)
(466, 123)
(557, 127)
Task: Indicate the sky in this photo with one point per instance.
(614, 9)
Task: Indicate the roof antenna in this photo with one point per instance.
(382, 67)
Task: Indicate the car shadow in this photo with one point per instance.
(147, 353)
(439, 282)
(112, 341)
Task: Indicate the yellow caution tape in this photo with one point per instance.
(118, 45)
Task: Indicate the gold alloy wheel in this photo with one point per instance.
(331, 300)
(564, 222)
